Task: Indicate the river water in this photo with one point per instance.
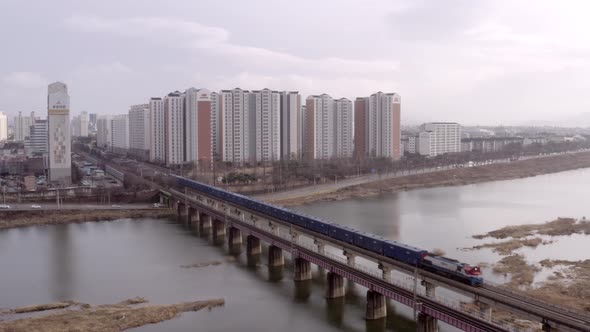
(110, 261)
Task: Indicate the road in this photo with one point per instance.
(46, 207)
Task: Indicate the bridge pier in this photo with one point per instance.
(376, 306)
(321, 246)
(205, 221)
(485, 310)
(386, 272)
(430, 289)
(350, 258)
(253, 246)
(235, 237)
(302, 270)
(426, 323)
(193, 216)
(218, 229)
(335, 286)
(275, 256)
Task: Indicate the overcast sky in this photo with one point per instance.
(475, 62)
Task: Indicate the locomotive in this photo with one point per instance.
(407, 254)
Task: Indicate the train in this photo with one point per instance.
(400, 252)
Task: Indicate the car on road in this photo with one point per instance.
(116, 205)
(157, 205)
(35, 206)
(4, 206)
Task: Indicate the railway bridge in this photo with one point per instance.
(433, 297)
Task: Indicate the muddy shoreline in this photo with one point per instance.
(454, 177)
(14, 219)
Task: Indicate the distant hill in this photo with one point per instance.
(579, 120)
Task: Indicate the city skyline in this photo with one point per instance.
(465, 60)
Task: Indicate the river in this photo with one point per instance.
(110, 261)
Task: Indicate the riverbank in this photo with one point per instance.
(453, 177)
(122, 316)
(14, 219)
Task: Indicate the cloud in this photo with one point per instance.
(215, 41)
(24, 80)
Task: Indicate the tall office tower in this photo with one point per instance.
(104, 136)
(438, 138)
(157, 130)
(215, 127)
(139, 131)
(343, 128)
(22, 127)
(198, 127)
(38, 143)
(377, 126)
(120, 133)
(58, 116)
(174, 119)
(320, 127)
(291, 125)
(3, 127)
(238, 126)
(267, 107)
(83, 124)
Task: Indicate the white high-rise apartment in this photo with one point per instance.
(438, 138)
(75, 125)
(3, 127)
(215, 127)
(267, 108)
(83, 124)
(343, 115)
(120, 133)
(58, 110)
(174, 119)
(238, 126)
(377, 126)
(320, 127)
(139, 131)
(291, 125)
(104, 134)
(22, 127)
(158, 130)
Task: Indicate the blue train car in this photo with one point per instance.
(342, 233)
(369, 242)
(403, 253)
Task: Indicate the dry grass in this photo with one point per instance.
(13, 219)
(105, 318)
(507, 247)
(523, 274)
(42, 307)
(560, 226)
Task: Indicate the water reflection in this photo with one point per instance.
(62, 268)
(275, 273)
(335, 311)
(302, 291)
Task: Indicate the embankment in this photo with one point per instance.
(454, 177)
(13, 219)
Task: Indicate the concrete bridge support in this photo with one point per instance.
(350, 258)
(253, 246)
(275, 256)
(426, 323)
(235, 237)
(430, 289)
(193, 216)
(218, 229)
(376, 306)
(320, 245)
(302, 270)
(386, 272)
(205, 221)
(485, 310)
(335, 284)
